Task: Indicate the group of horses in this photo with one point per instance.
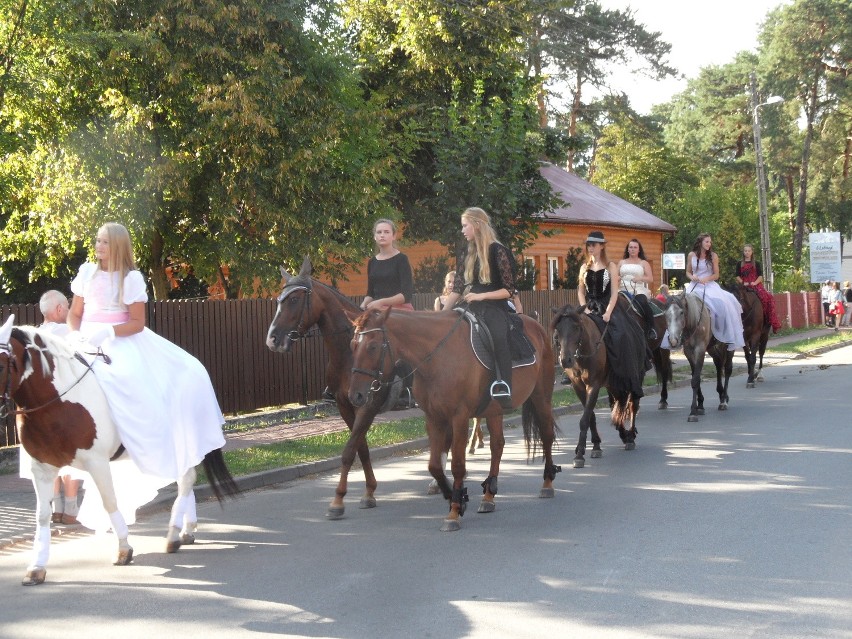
(65, 420)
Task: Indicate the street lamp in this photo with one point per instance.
(766, 253)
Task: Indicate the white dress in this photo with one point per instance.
(725, 310)
(161, 398)
(627, 272)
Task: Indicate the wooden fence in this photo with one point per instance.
(229, 338)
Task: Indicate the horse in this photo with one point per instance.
(661, 357)
(688, 323)
(304, 303)
(64, 420)
(451, 386)
(756, 328)
(582, 354)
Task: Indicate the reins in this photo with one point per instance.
(4, 412)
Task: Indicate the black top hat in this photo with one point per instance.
(596, 236)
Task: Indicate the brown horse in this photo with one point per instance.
(582, 353)
(451, 386)
(64, 420)
(303, 303)
(688, 323)
(755, 331)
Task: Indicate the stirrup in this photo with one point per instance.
(502, 393)
(652, 334)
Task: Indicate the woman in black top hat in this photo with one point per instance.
(625, 342)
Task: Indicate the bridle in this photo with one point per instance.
(577, 353)
(299, 332)
(6, 398)
(378, 375)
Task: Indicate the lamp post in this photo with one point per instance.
(765, 250)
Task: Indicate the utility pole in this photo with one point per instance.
(765, 249)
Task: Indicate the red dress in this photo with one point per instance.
(748, 272)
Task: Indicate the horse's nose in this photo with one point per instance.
(271, 342)
(357, 398)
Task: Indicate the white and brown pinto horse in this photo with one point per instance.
(64, 420)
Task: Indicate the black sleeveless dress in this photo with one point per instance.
(624, 339)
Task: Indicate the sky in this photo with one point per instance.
(701, 34)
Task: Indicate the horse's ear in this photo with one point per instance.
(352, 315)
(287, 277)
(6, 330)
(306, 269)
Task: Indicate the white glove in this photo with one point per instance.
(101, 335)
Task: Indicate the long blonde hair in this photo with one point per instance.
(477, 248)
(120, 254)
(451, 276)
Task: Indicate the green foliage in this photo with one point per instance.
(430, 273)
(728, 242)
(793, 280)
(574, 259)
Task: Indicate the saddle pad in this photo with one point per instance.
(656, 307)
(523, 352)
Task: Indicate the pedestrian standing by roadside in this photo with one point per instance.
(835, 305)
(847, 297)
(825, 294)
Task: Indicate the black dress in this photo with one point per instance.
(493, 313)
(624, 340)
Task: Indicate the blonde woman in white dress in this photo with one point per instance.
(636, 276)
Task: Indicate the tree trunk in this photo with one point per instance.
(572, 124)
(799, 234)
(158, 268)
(791, 201)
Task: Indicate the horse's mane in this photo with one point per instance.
(337, 294)
(571, 312)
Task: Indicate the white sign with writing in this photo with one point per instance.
(825, 256)
(674, 261)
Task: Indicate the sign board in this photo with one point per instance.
(674, 261)
(825, 256)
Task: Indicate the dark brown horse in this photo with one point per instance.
(303, 303)
(582, 354)
(755, 331)
(659, 355)
(451, 386)
(688, 323)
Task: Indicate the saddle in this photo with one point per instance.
(658, 309)
(522, 350)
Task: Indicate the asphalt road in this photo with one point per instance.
(739, 525)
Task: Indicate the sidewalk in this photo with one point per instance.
(17, 498)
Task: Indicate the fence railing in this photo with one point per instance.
(229, 338)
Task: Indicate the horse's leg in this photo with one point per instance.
(764, 339)
(750, 353)
(696, 363)
(497, 442)
(101, 475)
(183, 516)
(43, 476)
(458, 496)
(728, 365)
(475, 434)
(357, 443)
(540, 406)
(439, 443)
(589, 397)
(662, 364)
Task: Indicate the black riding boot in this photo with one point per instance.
(648, 315)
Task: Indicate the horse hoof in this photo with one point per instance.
(723, 407)
(749, 384)
(662, 406)
(451, 525)
(692, 418)
(579, 462)
(34, 576)
(486, 507)
(700, 411)
(433, 489)
(630, 446)
(472, 451)
(187, 539)
(124, 557)
(597, 454)
(335, 512)
(546, 493)
(173, 546)
(367, 502)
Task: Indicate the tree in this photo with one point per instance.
(805, 53)
(219, 133)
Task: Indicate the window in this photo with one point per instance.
(552, 272)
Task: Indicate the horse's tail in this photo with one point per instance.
(622, 409)
(532, 428)
(221, 482)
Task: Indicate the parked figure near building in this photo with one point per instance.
(847, 297)
(750, 275)
(836, 308)
(825, 296)
(635, 277)
(702, 270)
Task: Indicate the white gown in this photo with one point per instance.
(725, 310)
(627, 272)
(161, 398)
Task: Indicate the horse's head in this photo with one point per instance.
(295, 313)
(566, 328)
(373, 363)
(676, 319)
(14, 360)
